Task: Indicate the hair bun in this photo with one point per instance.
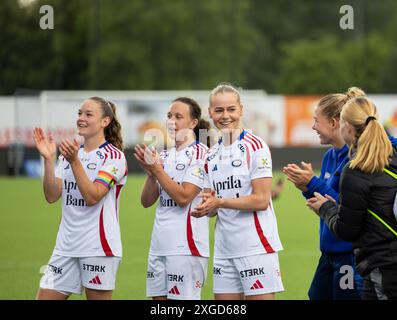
(354, 92)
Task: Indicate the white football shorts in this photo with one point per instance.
(70, 274)
(176, 277)
(251, 275)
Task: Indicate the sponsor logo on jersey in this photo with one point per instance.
(167, 202)
(150, 275)
(69, 185)
(252, 272)
(264, 164)
(198, 284)
(198, 173)
(91, 166)
(95, 280)
(174, 290)
(93, 268)
(180, 166)
(54, 269)
(217, 271)
(175, 277)
(70, 200)
(257, 285)
(228, 184)
(237, 163)
(76, 202)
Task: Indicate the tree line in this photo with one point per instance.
(281, 46)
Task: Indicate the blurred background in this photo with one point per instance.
(282, 47)
(141, 54)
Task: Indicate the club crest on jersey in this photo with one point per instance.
(237, 163)
(91, 166)
(180, 166)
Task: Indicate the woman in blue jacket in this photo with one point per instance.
(336, 255)
(365, 214)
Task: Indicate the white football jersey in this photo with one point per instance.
(229, 170)
(175, 231)
(91, 231)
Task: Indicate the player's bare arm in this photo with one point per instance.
(150, 192)
(92, 192)
(258, 200)
(52, 186)
(183, 194)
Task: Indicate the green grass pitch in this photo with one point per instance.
(29, 226)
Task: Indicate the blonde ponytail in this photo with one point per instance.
(371, 145)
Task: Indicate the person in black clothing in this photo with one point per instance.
(366, 187)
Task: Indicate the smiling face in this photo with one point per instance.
(180, 124)
(225, 111)
(325, 127)
(90, 121)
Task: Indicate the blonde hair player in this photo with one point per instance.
(365, 214)
(88, 179)
(336, 254)
(179, 248)
(238, 183)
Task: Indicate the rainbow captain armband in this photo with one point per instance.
(105, 179)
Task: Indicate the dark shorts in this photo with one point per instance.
(336, 278)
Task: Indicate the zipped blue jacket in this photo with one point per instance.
(328, 183)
